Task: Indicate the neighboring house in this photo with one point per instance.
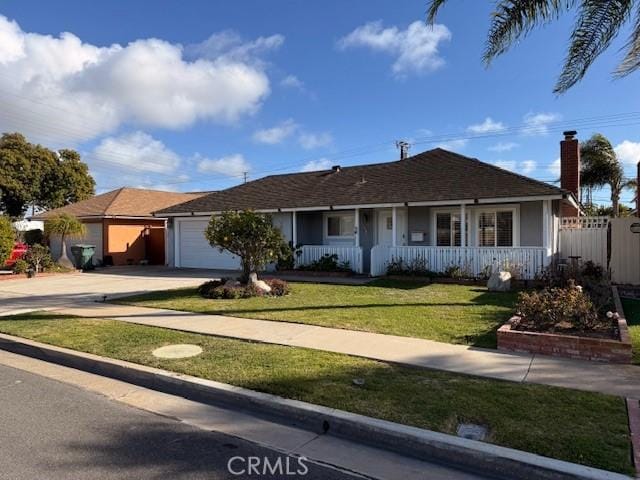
(25, 225)
(438, 208)
(121, 225)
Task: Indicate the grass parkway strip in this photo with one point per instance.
(580, 427)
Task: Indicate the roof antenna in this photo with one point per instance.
(404, 148)
(244, 174)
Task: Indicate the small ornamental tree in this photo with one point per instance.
(64, 225)
(7, 239)
(249, 235)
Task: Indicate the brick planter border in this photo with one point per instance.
(571, 346)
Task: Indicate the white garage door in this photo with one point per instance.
(195, 251)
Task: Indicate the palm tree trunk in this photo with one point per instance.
(64, 259)
(615, 201)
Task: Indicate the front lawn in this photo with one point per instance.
(582, 427)
(468, 315)
(632, 314)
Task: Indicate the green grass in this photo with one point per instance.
(468, 315)
(582, 427)
(632, 314)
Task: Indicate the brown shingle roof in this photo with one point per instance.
(434, 175)
(123, 202)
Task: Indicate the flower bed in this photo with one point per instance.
(582, 346)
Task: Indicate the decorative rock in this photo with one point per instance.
(262, 285)
(499, 281)
(177, 351)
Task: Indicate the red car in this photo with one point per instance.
(19, 249)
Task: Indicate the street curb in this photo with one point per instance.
(474, 456)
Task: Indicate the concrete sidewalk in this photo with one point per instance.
(622, 380)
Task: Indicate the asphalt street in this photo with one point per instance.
(51, 430)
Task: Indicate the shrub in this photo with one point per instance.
(39, 258)
(287, 257)
(31, 237)
(279, 288)
(21, 266)
(206, 288)
(7, 239)
(418, 267)
(250, 291)
(327, 263)
(591, 277)
(567, 308)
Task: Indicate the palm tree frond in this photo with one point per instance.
(514, 18)
(434, 8)
(597, 25)
(631, 60)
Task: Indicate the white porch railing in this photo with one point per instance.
(526, 261)
(312, 253)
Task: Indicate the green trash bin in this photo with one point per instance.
(83, 256)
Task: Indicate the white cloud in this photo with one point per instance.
(538, 123)
(554, 168)
(316, 165)
(487, 126)
(136, 151)
(524, 167)
(291, 81)
(229, 46)
(628, 152)
(503, 147)
(231, 165)
(309, 141)
(415, 49)
(528, 166)
(61, 90)
(277, 134)
(453, 145)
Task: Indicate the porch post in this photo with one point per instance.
(463, 225)
(294, 230)
(546, 230)
(357, 227)
(394, 230)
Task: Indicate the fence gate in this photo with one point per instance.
(584, 237)
(625, 250)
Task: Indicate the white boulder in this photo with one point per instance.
(499, 281)
(262, 285)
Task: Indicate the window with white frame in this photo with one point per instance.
(340, 225)
(448, 230)
(495, 228)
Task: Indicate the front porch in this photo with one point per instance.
(472, 236)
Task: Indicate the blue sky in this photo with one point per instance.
(189, 95)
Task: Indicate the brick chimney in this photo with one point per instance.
(570, 170)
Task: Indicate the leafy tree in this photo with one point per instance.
(7, 239)
(598, 22)
(601, 167)
(606, 210)
(64, 225)
(34, 175)
(38, 257)
(249, 235)
(68, 182)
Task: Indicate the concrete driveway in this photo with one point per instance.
(70, 289)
